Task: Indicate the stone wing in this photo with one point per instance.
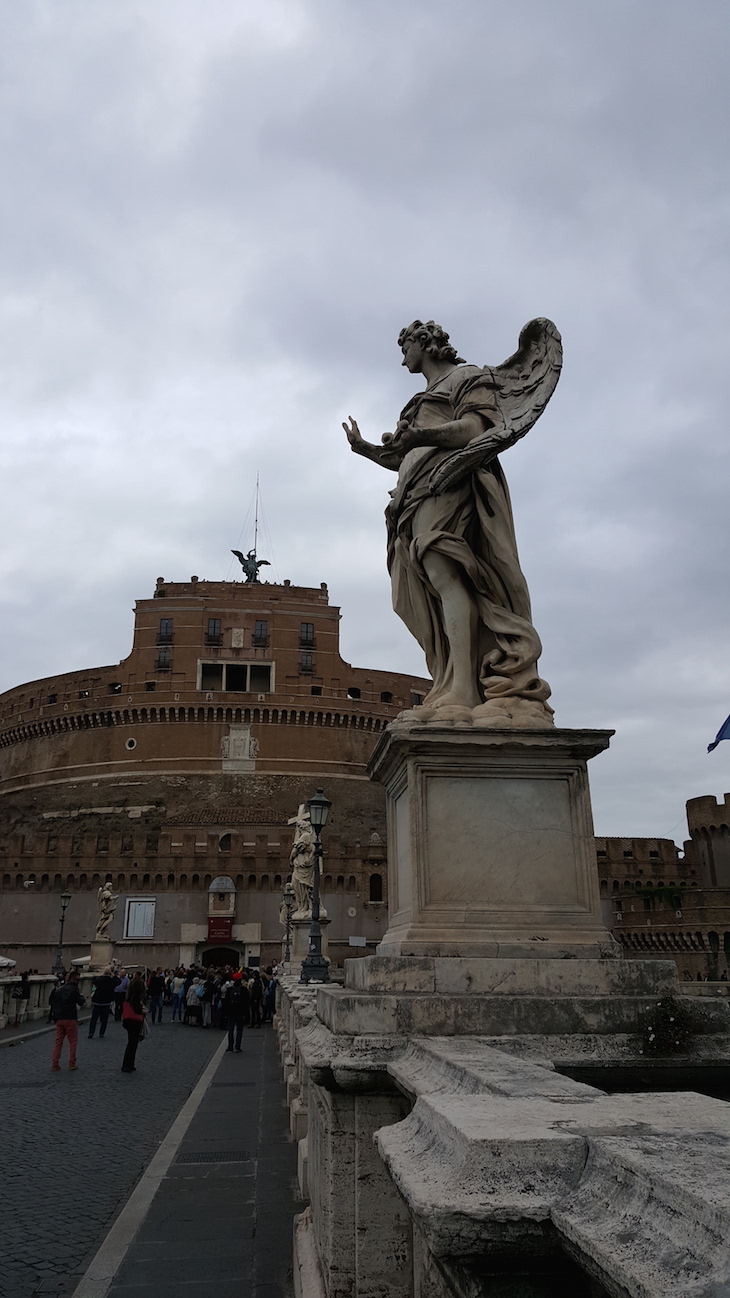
(523, 385)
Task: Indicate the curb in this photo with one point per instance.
(37, 1032)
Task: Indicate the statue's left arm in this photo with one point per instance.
(451, 436)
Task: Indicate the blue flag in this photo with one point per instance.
(723, 733)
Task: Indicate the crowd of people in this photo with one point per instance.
(226, 999)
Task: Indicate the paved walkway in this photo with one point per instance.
(221, 1221)
(75, 1144)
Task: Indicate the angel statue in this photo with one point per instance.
(301, 859)
(251, 565)
(452, 554)
(107, 901)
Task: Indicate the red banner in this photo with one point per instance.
(219, 930)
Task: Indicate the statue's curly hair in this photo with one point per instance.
(433, 338)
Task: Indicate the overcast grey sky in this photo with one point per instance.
(215, 218)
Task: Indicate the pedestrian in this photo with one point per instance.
(120, 994)
(269, 996)
(256, 994)
(102, 998)
(156, 990)
(133, 1014)
(65, 1002)
(236, 1004)
(206, 1000)
(21, 995)
(178, 995)
(192, 1002)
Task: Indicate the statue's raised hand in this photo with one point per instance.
(380, 454)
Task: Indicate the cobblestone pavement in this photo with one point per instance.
(73, 1145)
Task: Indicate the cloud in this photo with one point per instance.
(216, 219)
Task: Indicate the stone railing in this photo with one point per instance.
(41, 986)
(442, 1164)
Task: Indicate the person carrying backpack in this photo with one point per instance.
(236, 1005)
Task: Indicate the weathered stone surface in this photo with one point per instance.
(495, 977)
(431, 1065)
(636, 1185)
(503, 1015)
(490, 842)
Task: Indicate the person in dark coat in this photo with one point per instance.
(102, 998)
(236, 1006)
(256, 993)
(64, 1006)
(133, 1014)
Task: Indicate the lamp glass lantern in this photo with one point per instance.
(319, 810)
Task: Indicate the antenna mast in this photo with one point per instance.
(256, 517)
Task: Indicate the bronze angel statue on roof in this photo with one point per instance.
(452, 554)
(251, 565)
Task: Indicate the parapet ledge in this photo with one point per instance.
(474, 1066)
(635, 1186)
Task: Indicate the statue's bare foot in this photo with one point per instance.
(516, 713)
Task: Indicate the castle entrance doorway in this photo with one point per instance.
(217, 956)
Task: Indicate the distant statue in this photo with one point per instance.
(251, 565)
(107, 901)
(301, 859)
(452, 554)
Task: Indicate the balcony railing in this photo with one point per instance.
(213, 640)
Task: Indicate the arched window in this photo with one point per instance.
(251, 882)
(327, 883)
(340, 883)
(264, 883)
(615, 885)
(352, 884)
(224, 843)
(195, 883)
(376, 887)
(170, 882)
(277, 881)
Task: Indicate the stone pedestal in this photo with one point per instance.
(102, 954)
(490, 842)
(299, 942)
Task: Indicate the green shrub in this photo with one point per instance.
(666, 1030)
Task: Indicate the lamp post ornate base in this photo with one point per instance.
(300, 939)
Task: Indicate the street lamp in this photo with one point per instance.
(288, 903)
(314, 965)
(58, 966)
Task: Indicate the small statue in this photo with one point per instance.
(452, 554)
(251, 565)
(301, 859)
(107, 901)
